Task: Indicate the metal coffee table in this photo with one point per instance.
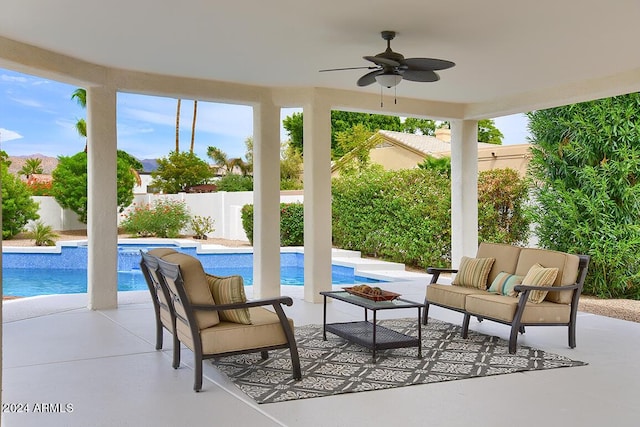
(370, 334)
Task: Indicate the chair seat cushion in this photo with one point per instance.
(264, 331)
(450, 295)
(504, 308)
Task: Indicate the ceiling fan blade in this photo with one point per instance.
(428, 64)
(420, 75)
(369, 78)
(382, 61)
(349, 68)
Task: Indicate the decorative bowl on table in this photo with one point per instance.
(373, 293)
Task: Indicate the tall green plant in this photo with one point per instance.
(70, 184)
(17, 206)
(586, 166)
(180, 170)
(402, 216)
(291, 223)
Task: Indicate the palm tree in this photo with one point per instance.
(80, 96)
(178, 126)
(31, 166)
(224, 164)
(193, 125)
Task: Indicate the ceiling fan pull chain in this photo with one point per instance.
(381, 103)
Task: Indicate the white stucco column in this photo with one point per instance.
(464, 189)
(102, 210)
(266, 200)
(317, 200)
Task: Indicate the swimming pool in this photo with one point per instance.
(30, 274)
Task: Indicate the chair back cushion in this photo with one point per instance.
(196, 287)
(567, 265)
(506, 258)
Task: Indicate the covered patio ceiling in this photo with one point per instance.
(511, 56)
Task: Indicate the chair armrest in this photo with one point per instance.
(520, 288)
(248, 304)
(436, 271)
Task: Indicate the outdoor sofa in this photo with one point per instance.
(515, 286)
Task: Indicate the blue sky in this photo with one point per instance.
(37, 115)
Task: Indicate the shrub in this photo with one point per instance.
(502, 214)
(246, 213)
(17, 206)
(179, 171)
(42, 234)
(586, 170)
(70, 184)
(201, 226)
(39, 188)
(234, 182)
(403, 216)
(291, 223)
(163, 218)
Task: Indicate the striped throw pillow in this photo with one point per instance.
(504, 283)
(473, 272)
(229, 290)
(539, 276)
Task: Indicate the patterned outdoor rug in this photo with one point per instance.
(335, 366)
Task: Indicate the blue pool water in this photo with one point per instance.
(30, 274)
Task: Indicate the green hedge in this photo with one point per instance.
(291, 223)
(402, 216)
(405, 216)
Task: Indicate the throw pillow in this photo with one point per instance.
(539, 276)
(473, 272)
(504, 283)
(229, 290)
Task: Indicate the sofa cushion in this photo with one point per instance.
(506, 258)
(567, 265)
(504, 284)
(539, 276)
(450, 296)
(504, 308)
(229, 290)
(264, 331)
(473, 272)
(196, 287)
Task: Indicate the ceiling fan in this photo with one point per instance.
(391, 67)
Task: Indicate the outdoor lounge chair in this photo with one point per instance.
(161, 298)
(230, 326)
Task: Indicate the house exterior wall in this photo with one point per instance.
(505, 156)
(394, 158)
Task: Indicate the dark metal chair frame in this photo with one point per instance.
(157, 288)
(517, 326)
(171, 273)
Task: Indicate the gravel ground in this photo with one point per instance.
(618, 308)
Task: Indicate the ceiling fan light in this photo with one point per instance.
(388, 79)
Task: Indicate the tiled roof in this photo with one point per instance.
(422, 143)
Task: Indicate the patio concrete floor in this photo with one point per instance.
(104, 364)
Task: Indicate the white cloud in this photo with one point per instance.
(28, 102)
(9, 135)
(13, 79)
